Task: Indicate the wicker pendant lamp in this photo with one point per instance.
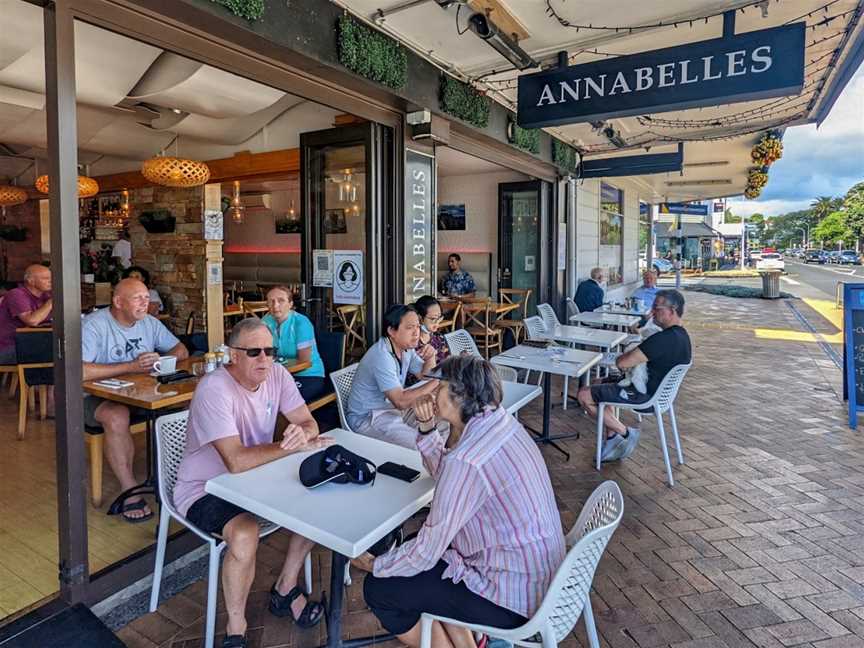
(11, 196)
(87, 187)
(175, 171)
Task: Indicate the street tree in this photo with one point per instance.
(832, 230)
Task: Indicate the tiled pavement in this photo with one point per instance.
(759, 543)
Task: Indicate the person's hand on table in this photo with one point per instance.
(145, 361)
(364, 562)
(296, 438)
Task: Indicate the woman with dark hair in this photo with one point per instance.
(493, 540)
(137, 272)
(429, 310)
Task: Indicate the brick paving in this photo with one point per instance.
(759, 543)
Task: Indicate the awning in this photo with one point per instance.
(688, 230)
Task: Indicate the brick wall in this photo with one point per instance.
(20, 254)
(176, 261)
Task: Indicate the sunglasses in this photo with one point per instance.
(254, 352)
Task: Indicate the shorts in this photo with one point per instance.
(211, 514)
(92, 403)
(398, 601)
(608, 391)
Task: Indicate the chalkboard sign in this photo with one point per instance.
(853, 348)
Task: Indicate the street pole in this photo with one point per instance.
(743, 239)
(678, 251)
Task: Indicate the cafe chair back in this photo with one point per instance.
(460, 341)
(170, 446)
(354, 324)
(663, 401)
(568, 596)
(506, 374)
(34, 352)
(535, 328)
(342, 381)
(451, 320)
(572, 308)
(550, 319)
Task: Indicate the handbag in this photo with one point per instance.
(336, 464)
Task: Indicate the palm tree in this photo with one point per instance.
(821, 207)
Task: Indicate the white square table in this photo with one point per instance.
(573, 363)
(518, 395)
(345, 518)
(598, 318)
(619, 309)
(601, 338)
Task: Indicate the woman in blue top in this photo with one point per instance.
(294, 338)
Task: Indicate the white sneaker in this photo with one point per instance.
(613, 447)
(630, 442)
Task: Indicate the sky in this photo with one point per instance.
(823, 162)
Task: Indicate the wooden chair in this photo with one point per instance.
(449, 325)
(353, 323)
(514, 324)
(249, 307)
(10, 373)
(35, 354)
(479, 321)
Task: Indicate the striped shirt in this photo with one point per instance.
(493, 518)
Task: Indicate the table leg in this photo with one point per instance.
(545, 437)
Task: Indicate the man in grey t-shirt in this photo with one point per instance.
(119, 340)
(378, 396)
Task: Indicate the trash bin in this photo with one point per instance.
(770, 283)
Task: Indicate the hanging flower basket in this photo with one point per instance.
(768, 150)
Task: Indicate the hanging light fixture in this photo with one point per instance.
(11, 196)
(237, 208)
(171, 171)
(87, 187)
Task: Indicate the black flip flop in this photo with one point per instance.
(280, 606)
(135, 506)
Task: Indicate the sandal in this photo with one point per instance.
(280, 606)
(140, 505)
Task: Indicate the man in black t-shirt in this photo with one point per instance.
(662, 351)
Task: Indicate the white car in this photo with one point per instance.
(770, 261)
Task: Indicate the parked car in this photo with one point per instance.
(662, 265)
(814, 256)
(833, 256)
(771, 261)
(849, 257)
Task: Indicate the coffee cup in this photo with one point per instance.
(165, 365)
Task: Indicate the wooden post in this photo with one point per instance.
(213, 233)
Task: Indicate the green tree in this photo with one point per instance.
(729, 217)
(832, 230)
(853, 210)
(821, 207)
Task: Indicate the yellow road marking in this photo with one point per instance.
(827, 309)
(787, 335)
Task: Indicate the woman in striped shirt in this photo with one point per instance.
(493, 540)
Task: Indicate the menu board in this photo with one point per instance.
(853, 349)
(857, 348)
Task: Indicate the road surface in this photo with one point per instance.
(818, 281)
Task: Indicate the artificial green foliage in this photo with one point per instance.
(372, 54)
(248, 9)
(528, 139)
(462, 101)
(565, 156)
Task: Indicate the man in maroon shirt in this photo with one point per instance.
(28, 305)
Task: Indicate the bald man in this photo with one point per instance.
(119, 340)
(28, 305)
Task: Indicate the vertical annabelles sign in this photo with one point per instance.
(745, 67)
(419, 224)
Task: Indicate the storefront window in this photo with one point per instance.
(644, 234)
(612, 233)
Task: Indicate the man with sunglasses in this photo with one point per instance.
(662, 352)
(232, 419)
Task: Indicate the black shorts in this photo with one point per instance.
(608, 391)
(211, 514)
(310, 387)
(92, 403)
(399, 601)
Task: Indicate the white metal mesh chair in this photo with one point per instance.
(535, 329)
(507, 374)
(170, 445)
(568, 595)
(342, 381)
(662, 401)
(572, 309)
(460, 341)
(547, 313)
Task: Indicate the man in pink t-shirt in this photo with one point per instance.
(231, 423)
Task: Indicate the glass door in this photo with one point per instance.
(523, 227)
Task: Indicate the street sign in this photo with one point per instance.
(744, 67)
(683, 208)
(853, 349)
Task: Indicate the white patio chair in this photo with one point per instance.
(662, 401)
(506, 374)
(547, 313)
(342, 381)
(569, 594)
(460, 341)
(572, 309)
(170, 444)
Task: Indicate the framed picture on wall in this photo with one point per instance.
(451, 217)
(286, 225)
(334, 222)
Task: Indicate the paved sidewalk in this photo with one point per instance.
(759, 543)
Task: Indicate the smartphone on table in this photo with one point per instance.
(398, 471)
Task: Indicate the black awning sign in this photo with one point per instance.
(745, 67)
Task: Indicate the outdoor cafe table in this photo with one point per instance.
(601, 338)
(619, 309)
(517, 395)
(605, 319)
(563, 361)
(345, 518)
(147, 394)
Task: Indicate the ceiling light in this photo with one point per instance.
(11, 196)
(175, 172)
(87, 187)
(237, 207)
(177, 111)
(506, 46)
